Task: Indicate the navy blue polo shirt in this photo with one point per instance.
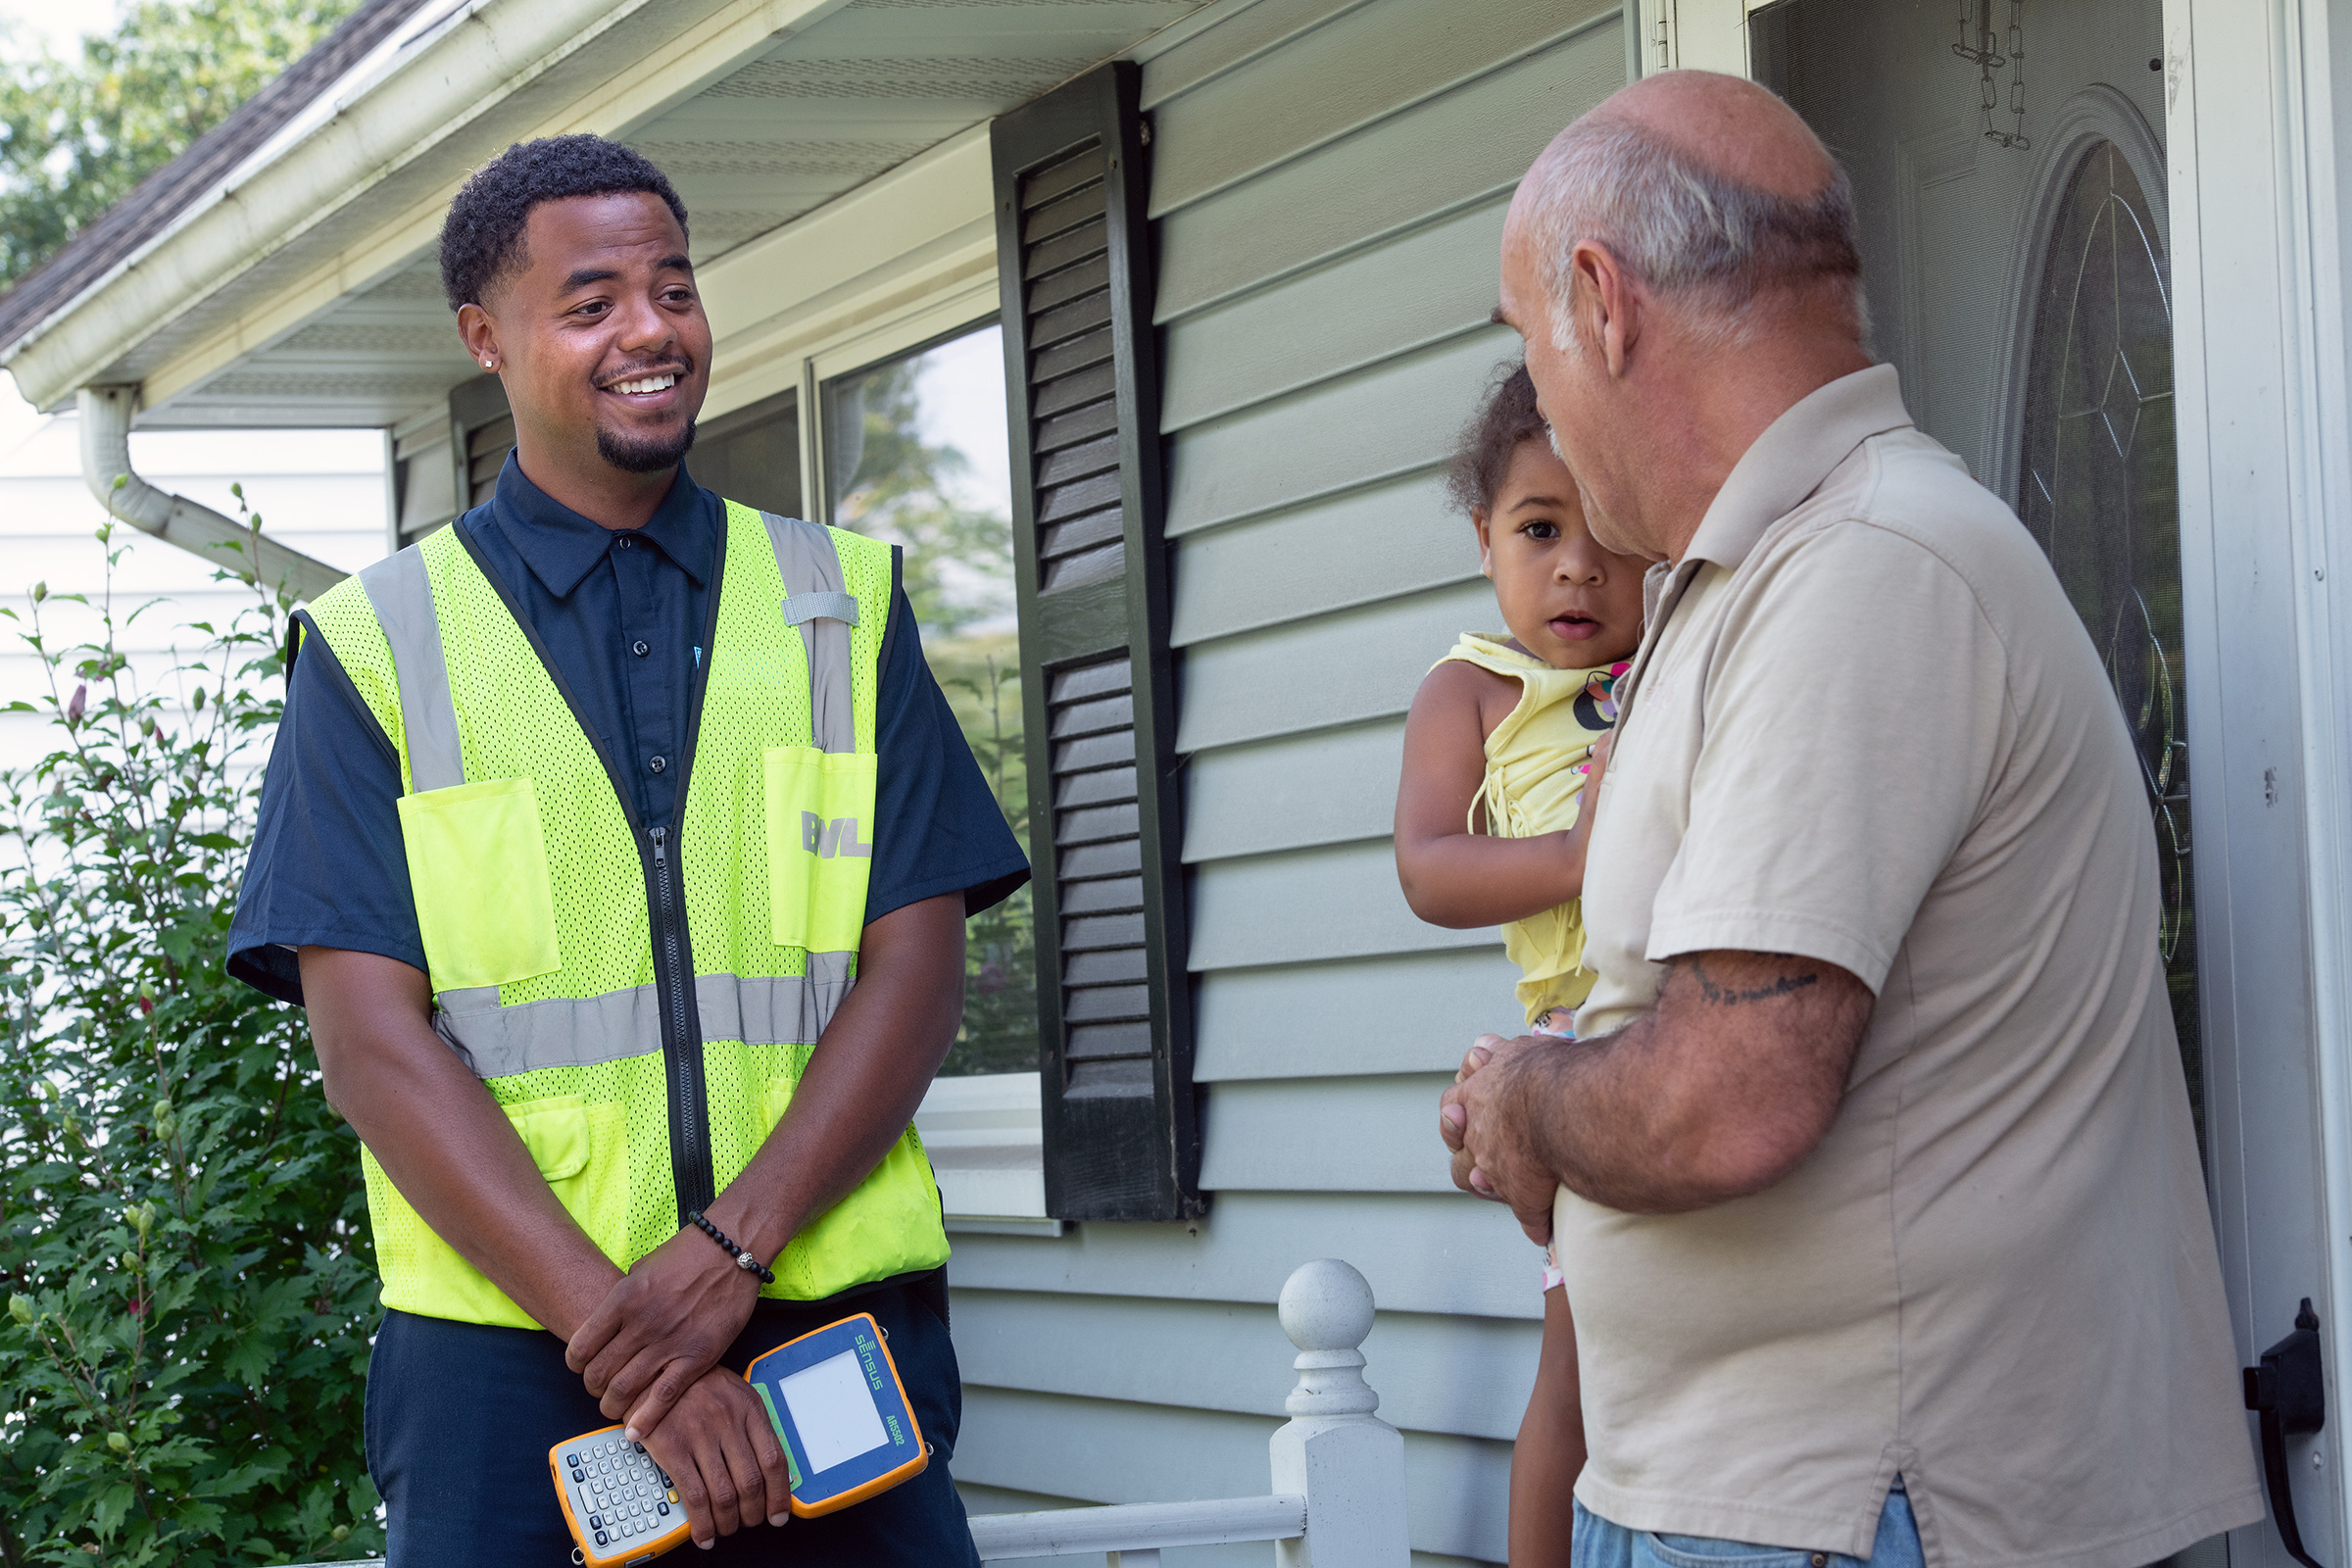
(619, 615)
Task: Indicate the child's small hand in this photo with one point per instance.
(1480, 1051)
(1597, 762)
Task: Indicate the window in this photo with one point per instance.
(752, 455)
(2099, 491)
(915, 453)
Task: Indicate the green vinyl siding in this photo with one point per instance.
(1328, 187)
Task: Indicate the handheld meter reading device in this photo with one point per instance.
(619, 1503)
(837, 1403)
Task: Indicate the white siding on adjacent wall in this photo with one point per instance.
(321, 492)
(1329, 183)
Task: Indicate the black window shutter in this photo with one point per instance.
(1122, 1130)
(483, 432)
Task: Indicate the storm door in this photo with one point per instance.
(2098, 487)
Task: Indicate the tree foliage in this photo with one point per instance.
(184, 1244)
(78, 133)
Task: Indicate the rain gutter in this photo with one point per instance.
(106, 468)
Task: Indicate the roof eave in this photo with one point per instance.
(495, 50)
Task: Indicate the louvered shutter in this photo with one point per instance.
(1073, 249)
(481, 419)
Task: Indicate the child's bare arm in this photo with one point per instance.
(1452, 877)
(1551, 1453)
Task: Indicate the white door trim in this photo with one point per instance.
(2266, 467)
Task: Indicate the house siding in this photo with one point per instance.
(1329, 182)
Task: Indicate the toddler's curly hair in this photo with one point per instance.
(1483, 456)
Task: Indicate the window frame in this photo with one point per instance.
(984, 1131)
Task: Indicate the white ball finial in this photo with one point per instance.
(1326, 1308)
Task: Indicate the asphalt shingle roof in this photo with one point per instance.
(163, 195)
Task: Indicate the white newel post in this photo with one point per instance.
(1344, 1460)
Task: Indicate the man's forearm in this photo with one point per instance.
(443, 1140)
(1582, 1108)
(1718, 1091)
(863, 1081)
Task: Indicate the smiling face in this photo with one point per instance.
(1567, 601)
(601, 339)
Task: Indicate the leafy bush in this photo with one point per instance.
(183, 1243)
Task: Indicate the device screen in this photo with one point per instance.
(834, 1411)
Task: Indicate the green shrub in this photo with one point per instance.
(184, 1244)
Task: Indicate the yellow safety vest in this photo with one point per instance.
(642, 1002)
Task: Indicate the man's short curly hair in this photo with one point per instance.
(481, 241)
(1482, 456)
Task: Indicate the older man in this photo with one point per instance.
(1873, 1175)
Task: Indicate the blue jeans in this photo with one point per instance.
(1598, 1544)
(460, 1417)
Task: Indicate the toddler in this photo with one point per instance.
(1507, 733)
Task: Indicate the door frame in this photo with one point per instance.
(2252, 126)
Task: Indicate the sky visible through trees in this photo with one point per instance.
(83, 123)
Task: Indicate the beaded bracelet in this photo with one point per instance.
(743, 1260)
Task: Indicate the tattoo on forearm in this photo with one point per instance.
(1730, 996)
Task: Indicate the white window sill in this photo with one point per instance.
(986, 1139)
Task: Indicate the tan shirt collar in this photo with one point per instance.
(1792, 456)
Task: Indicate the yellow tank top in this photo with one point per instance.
(1533, 786)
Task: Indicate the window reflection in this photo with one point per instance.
(915, 454)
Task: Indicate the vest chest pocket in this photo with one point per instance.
(477, 865)
(820, 846)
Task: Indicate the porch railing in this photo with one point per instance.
(1338, 1470)
(1337, 1493)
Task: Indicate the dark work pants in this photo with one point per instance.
(461, 1416)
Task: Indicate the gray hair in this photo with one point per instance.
(1691, 235)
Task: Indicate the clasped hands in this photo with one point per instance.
(649, 1354)
(1486, 1120)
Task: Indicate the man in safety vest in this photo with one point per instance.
(619, 845)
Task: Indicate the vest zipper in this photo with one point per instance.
(673, 967)
(681, 1043)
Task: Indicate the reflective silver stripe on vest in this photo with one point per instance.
(499, 1042)
(812, 568)
(402, 598)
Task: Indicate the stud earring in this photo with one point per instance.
(486, 365)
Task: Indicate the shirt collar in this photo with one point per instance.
(562, 547)
(1792, 456)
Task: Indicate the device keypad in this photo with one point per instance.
(620, 1493)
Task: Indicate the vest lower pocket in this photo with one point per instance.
(581, 1150)
(890, 1224)
(820, 846)
(477, 866)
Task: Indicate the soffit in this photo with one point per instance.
(777, 137)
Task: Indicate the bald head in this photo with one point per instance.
(1728, 125)
(1708, 189)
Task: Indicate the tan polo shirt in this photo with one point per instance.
(1865, 726)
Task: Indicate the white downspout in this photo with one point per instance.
(222, 540)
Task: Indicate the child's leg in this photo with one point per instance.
(1550, 1452)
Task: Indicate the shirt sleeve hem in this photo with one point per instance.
(251, 960)
(1771, 931)
(983, 887)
